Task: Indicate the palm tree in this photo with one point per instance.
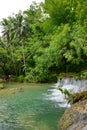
(19, 34)
(13, 35)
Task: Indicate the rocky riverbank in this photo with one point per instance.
(75, 117)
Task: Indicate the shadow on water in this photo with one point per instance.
(28, 109)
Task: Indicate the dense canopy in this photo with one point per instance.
(45, 40)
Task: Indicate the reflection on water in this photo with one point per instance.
(28, 109)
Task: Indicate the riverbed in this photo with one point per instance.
(25, 106)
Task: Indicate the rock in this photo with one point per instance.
(80, 96)
(1, 86)
(75, 117)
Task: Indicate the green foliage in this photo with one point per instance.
(59, 11)
(45, 40)
(68, 93)
(83, 75)
(21, 78)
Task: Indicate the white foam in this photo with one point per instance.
(55, 95)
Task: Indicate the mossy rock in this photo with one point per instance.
(69, 74)
(76, 76)
(75, 117)
(80, 96)
(2, 86)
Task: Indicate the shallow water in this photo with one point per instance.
(29, 108)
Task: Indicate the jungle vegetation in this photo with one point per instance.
(45, 40)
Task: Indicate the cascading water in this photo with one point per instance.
(66, 83)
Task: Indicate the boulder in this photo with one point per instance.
(75, 117)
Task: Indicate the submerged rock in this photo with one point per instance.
(75, 117)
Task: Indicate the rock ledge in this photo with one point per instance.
(75, 117)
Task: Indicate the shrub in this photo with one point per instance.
(21, 78)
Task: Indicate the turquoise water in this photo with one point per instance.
(28, 109)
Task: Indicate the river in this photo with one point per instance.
(32, 107)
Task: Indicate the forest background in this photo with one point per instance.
(45, 40)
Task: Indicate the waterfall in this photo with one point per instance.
(54, 94)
